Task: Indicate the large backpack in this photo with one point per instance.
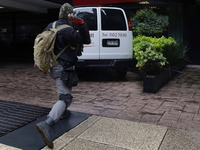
(44, 56)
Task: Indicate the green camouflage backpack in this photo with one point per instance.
(44, 56)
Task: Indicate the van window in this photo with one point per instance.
(89, 16)
(112, 19)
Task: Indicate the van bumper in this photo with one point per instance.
(118, 64)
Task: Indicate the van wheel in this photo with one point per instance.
(121, 74)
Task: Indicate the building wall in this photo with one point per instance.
(192, 32)
(18, 31)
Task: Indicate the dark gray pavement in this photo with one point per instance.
(176, 105)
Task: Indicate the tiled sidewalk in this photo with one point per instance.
(175, 105)
(102, 133)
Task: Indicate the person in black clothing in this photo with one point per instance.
(64, 72)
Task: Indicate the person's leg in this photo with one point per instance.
(64, 93)
(46, 130)
(64, 101)
(65, 98)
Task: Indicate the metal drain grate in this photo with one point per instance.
(15, 115)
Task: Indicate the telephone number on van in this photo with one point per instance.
(114, 34)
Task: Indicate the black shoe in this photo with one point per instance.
(65, 114)
(45, 129)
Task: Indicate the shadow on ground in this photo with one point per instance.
(105, 75)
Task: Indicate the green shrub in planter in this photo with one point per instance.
(175, 53)
(149, 53)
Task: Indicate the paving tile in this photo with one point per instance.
(83, 126)
(128, 114)
(152, 112)
(150, 118)
(178, 107)
(192, 108)
(125, 134)
(180, 140)
(185, 116)
(173, 115)
(165, 122)
(180, 125)
(111, 112)
(81, 144)
(196, 117)
(95, 110)
(60, 142)
(6, 147)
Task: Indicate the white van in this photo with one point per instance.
(111, 39)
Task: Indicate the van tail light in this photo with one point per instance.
(129, 25)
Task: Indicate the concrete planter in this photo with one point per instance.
(151, 84)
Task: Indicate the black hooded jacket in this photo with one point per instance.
(72, 37)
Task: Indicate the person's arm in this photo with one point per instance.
(80, 35)
(84, 31)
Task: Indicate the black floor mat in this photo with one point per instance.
(18, 120)
(14, 115)
(28, 138)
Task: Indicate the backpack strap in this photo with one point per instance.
(54, 25)
(60, 27)
(61, 51)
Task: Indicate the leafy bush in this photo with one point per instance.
(153, 54)
(147, 22)
(175, 53)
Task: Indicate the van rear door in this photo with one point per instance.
(115, 37)
(89, 15)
